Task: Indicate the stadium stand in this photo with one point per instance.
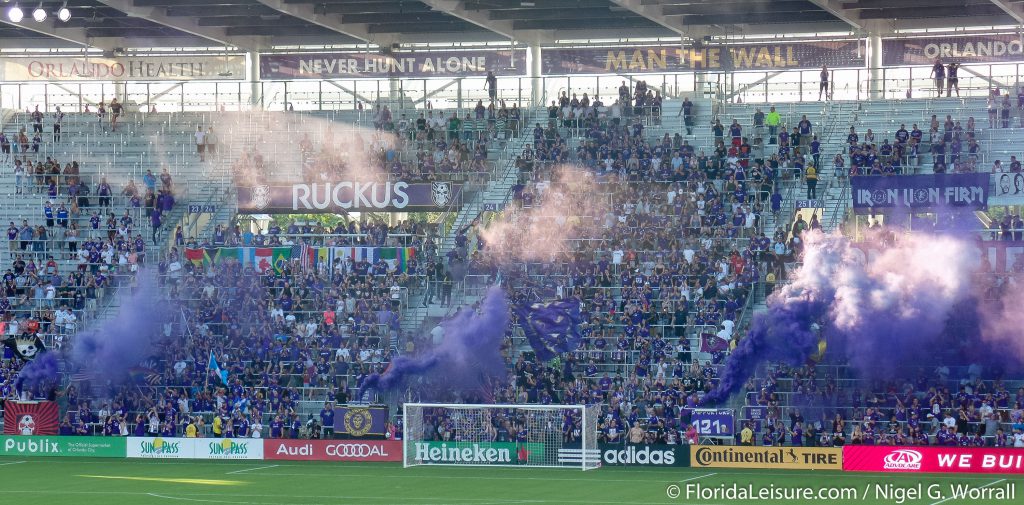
(704, 200)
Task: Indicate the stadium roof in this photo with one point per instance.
(264, 24)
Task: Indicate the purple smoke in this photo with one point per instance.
(43, 370)
(880, 314)
(108, 350)
(466, 360)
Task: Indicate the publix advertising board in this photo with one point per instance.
(94, 447)
(195, 448)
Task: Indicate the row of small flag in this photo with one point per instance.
(276, 258)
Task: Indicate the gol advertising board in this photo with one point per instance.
(348, 196)
(768, 458)
(479, 453)
(333, 450)
(645, 455)
(92, 447)
(867, 458)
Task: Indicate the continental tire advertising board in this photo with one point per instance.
(645, 455)
(92, 447)
(783, 458)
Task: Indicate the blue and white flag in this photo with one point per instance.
(552, 328)
(223, 374)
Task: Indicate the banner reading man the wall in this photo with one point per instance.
(920, 192)
(658, 59)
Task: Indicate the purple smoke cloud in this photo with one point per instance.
(879, 315)
(466, 360)
(45, 369)
(108, 350)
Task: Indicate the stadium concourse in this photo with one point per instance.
(780, 236)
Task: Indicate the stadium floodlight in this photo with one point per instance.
(15, 14)
(39, 14)
(64, 14)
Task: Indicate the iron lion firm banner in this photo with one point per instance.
(149, 68)
(657, 59)
(792, 458)
(919, 192)
(962, 49)
(419, 64)
(341, 197)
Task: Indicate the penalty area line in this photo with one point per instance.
(697, 477)
(251, 469)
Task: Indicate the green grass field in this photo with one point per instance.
(107, 481)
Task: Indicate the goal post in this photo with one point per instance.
(540, 436)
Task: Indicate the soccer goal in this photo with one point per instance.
(545, 436)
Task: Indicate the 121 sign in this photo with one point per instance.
(713, 422)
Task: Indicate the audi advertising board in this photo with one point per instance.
(869, 458)
(333, 450)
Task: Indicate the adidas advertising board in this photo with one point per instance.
(635, 455)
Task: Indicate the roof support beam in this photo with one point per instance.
(333, 22)
(1014, 10)
(850, 17)
(480, 18)
(159, 15)
(654, 13)
(73, 35)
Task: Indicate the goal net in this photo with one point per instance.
(548, 436)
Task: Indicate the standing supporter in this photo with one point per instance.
(823, 83)
(773, 120)
(201, 143)
(939, 73)
(37, 121)
(58, 118)
(492, 86)
(211, 142)
(952, 81)
(116, 109)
